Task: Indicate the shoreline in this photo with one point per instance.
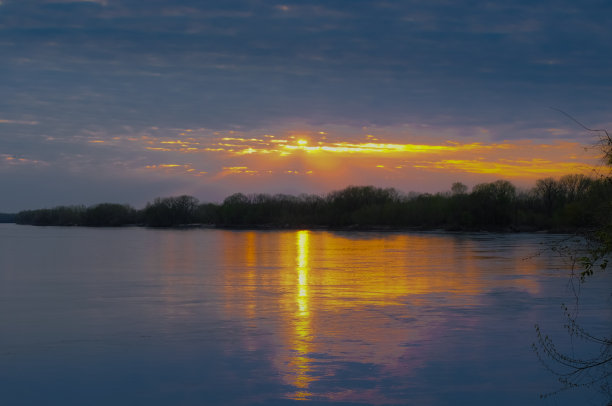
(349, 228)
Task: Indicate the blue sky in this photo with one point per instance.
(89, 90)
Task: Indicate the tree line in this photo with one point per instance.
(568, 203)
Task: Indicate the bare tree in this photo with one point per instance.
(573, 371)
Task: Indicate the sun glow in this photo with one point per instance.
(337, 159)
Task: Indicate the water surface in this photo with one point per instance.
(192, 317)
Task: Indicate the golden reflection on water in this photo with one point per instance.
(249, 274)
(301, 339)
(302, 269)
(355, 297)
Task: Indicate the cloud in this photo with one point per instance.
(110, 87)
(385, 64)
(325, 154)
(7, 160)
(100, 2)
(22, 122)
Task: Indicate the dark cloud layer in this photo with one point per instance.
(329, 60)
(107, 65)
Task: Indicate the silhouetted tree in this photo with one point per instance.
(233, 210)
(343, 204)
(549, 193)
(171, 211)
(458, 188)
(493, 203)
(57, 216)
(109, 215)
(497, 205)
(574, 186)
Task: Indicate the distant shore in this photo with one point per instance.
(349, 228)
(572, 203)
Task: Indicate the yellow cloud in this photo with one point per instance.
(534, 168)
(323, 156)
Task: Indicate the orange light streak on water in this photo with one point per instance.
(337, 294)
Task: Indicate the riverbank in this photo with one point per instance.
(495, 206)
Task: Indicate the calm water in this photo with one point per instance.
(195, 317)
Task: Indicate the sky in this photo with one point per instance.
(124, 101)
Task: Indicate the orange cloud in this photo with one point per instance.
(11, 160)
(335, 160)
(176, 168)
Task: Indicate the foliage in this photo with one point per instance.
(571, 370)
(108, 215)
(58, 216)
(101, 215)
(570, 203)
(171, 211)
(493, 203)
(587, 202)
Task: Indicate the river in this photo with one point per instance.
(136, 316)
